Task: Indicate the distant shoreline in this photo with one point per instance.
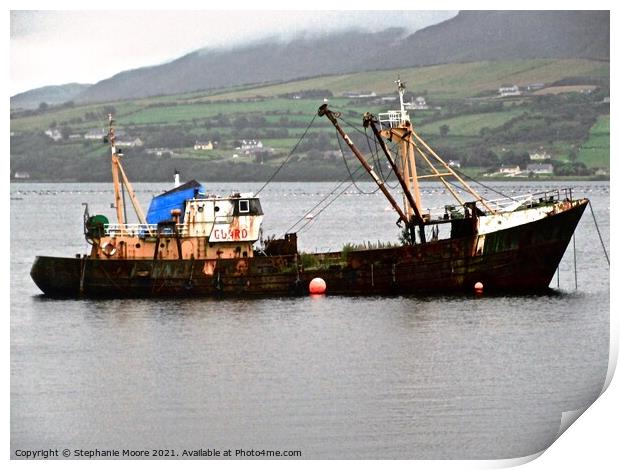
(485, 179)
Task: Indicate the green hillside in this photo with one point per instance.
(595, 151)
(442, 81)
(466, 119)
(470, 124)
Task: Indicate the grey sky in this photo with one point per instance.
(56, 47)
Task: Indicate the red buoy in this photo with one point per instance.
(317, 286)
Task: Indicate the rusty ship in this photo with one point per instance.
(191, 243)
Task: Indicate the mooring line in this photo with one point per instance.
(600, 237)
(575, 258)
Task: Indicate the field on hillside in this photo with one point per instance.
(466, 119)
(441, 81)
(470, 124)
(595, 151)
(451, 81)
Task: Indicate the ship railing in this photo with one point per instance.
(140, 230)
(508, 204)
(150, 230)
(393, 119)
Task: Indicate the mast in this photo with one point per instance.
(324, 111)
(118, 200)
(402, 127)
(119, 177)
(396, 126)
(369, 120)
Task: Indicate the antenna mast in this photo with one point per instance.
(396, 126)
(401, 94)
(116, 163)
(325, 111)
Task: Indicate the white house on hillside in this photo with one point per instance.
(159, 151)
(509, 90)
(510, 170)
(418, 103)
(542, 155)
(540, 168)
(127, 141)
(359, 94)
(251, 144)
(54, 134)
(95, 134)
(200, 145)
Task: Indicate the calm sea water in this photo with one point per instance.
(332, 377)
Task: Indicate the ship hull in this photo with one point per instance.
(518, 259)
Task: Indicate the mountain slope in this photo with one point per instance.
(493, 35)
(263, 62)
(51, 95)
(470, 36)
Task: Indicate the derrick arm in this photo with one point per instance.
(132, 196)
(324, 111)
(369, 120)
(451, 171)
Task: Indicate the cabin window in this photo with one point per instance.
(247, 207)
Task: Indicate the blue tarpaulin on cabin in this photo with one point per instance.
(162, 205)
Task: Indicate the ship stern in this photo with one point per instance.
(57, 277)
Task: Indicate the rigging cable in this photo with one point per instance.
(331, 193)
(325, 207)
(288, 156)
(375, 157)
(488, 188)
(352, 176)
(377, 160)
(461, 174)
(600, 237)
(374, 153)
(349, 170)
